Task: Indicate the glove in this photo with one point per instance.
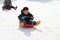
(23, 17)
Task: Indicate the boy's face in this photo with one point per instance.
(26, 12)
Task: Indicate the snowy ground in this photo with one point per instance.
(46, 11)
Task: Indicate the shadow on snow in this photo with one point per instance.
(27, 31)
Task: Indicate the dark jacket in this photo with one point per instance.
(7, 3)
(22, 14)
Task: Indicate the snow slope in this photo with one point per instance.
(47, 12)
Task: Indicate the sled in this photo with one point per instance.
(28, 25)
(6, 8)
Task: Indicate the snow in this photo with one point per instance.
(48, 12)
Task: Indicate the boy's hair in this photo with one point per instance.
(25, 8)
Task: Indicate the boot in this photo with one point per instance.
(21, 25)
(15, 8)
(37, 23)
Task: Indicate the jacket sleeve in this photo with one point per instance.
(20, 17)
(32, 17)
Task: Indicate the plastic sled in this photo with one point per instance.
(28, 25)
(6, 8)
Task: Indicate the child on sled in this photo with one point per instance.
(26, 17)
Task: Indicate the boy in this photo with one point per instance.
(7, 3)
(26, 17)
